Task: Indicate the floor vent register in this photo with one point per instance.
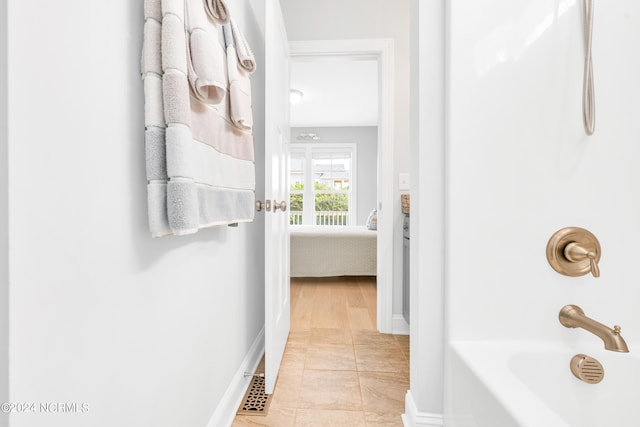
(255, 401)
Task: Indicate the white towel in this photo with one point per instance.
(175, 91)
(206, 66)
(172, 7)
(200, 161)
(151, 70)
(157, 208)
(174, 54)
(151, 57)
(153, 110)
(183, 206)
(246, 59)
(239, 85)
(153, 9)
(240, 103)
(155, 154)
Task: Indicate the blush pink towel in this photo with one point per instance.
(217, 10)
(239, 84)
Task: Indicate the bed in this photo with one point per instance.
(323, 251)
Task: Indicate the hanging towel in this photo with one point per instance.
(199, 160)
(206, 62)
(206, 57)
(239, 85)
(153, 10)
(246, 59)
(217, 10)
(151, 70)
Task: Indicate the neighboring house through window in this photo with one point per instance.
(322, 180)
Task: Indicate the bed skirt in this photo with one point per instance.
(323, 251)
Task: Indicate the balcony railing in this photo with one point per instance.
(295, 217)
(322, 218)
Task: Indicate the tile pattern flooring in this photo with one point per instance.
(337, 370)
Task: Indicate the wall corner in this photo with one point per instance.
(428, 205)
(413, 418)
(4, 214)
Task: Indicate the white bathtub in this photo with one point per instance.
(529, 384)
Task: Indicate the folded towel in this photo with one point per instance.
(223, 206)
(153, 9)
(207, 166)
(246, 59)
(210, 127)
(240, 103)
(151, 68)
(174, 53)
(206, 66)
(153, 110)
(182, 206)
(155, 154)
(199, 161)
(217, 10)
(239, 85)
(151, 57)
(179, 151)
(173, 7)
(157, 209)
(175, 89)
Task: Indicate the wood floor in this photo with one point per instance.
(337, 370)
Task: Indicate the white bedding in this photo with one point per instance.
(318, 251)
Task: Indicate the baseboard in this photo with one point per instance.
(413, 418)
(226, 409)
(400, 326)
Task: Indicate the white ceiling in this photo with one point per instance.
(337, 92)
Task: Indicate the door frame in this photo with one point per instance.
(382, 50)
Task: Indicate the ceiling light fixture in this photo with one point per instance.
(295, 96)
(308, 137)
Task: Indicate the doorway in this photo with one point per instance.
(380, 51)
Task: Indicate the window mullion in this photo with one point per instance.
(308, 198)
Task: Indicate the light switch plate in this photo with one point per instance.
(403, 181)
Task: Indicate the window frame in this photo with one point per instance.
(309, 191)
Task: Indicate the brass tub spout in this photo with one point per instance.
(572, 316)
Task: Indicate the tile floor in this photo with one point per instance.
(337, 370)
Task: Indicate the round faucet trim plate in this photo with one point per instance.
(557, 256)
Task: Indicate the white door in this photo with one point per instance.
(277, 316)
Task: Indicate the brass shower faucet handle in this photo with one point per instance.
(574, 251)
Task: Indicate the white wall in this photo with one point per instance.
(366, 140)
(366, 19)
(4, 221)
(148, 332)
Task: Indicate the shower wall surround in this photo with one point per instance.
(520, 166)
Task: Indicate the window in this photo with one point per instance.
(322, 184)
